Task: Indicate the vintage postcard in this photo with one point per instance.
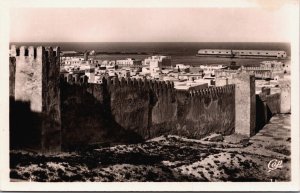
(148, 95)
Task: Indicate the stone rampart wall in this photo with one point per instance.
(130, 110)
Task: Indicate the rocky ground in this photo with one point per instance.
(168, 158)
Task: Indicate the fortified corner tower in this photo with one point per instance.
(37, 93)
(245, 104)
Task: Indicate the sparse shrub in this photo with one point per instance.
(14, 174)
(110, 178)
(40, 174)
(75, 178)
(127, 176)
(60, 172)
(246, 164)
(151, 176)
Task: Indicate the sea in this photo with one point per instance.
(180, 52)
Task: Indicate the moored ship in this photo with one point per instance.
(227, 53)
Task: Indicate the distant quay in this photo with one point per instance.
(227, 53)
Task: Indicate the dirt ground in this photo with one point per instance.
(168, 158)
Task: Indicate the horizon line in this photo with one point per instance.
(146, 42)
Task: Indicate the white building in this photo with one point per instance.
(125, 62)
(272, 64)
(189, 85)
(71, 60)
(145, 70)
(155, 64)
(89, 71)
(209, 70)
(182, 66)
(202, 81)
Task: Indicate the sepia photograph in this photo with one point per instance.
(199, 93)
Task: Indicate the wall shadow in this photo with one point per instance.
(263, 114)
(87, 119)
(24, 126)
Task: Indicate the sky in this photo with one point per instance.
(149, 25)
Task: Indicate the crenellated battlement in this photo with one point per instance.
(225, 72)
(76, 79)
(146, 84)
(213, 90)
(140, 83)
(34, 53)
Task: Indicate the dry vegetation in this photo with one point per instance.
(166, 158)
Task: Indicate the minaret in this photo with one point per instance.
(86, 55)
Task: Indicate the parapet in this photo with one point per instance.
(213, 91)
(75, 79)
(32, 52)
(147, 84)
(225, 72)
(257, 68)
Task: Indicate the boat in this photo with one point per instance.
(228, 53)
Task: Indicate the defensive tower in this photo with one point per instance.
(36, 84)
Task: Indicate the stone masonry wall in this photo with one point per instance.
(206, 111)
(273, 102)
(129, 110)
(102, 113)
(35, 102)
(130, 103)
(266, 106)
(245, 104)
(12, 76)
(163, 114)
